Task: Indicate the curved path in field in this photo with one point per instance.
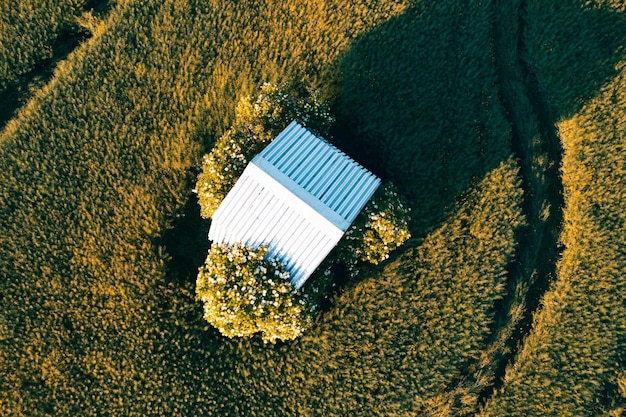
(538, 148)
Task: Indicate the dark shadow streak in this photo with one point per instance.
(539, 248)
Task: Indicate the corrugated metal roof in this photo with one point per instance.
(298, 196)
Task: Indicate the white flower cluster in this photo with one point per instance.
(274, 108)
(387, 226)
(220, 170)
(244, 293)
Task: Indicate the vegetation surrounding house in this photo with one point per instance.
(500, 122)
(294, 200)
(258, 120)
(383, 228)
(298, 196)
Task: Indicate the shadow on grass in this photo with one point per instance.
(548, 68)
(417, 103)
(17, 95)
(186, 242)
(417, 106)
(573, 49)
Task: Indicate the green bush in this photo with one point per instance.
(387, 226)
(221, 168)
(257, 121)
(380, 228)
(267, 114)
(244, 293)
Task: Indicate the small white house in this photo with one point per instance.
(298, 196)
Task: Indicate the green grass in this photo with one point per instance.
(422, 88)
(99, 243)
(574, 47)
(33, 35)
(98, 163)
(28, 32)
(410, 339)
(572, 362)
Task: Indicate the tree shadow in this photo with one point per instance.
(186, 242)
(572, 49)
(417, 105)
(418, 101)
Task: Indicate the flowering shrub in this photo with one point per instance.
(276, 106)
(387, 225)
(257, 121)
(244, 293)
(382, 226)
(220, 170)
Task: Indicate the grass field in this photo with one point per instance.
(572, 363)
(575, 350)
(100, 237)
(34, 35)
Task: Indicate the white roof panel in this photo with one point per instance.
(298, 196)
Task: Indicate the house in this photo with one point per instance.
(298, 197)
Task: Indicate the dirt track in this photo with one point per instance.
(537, 146)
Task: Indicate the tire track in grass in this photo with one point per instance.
(538, 148)
(14, 94)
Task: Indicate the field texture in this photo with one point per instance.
(34, 34)
(573, 361)
(501, 123)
